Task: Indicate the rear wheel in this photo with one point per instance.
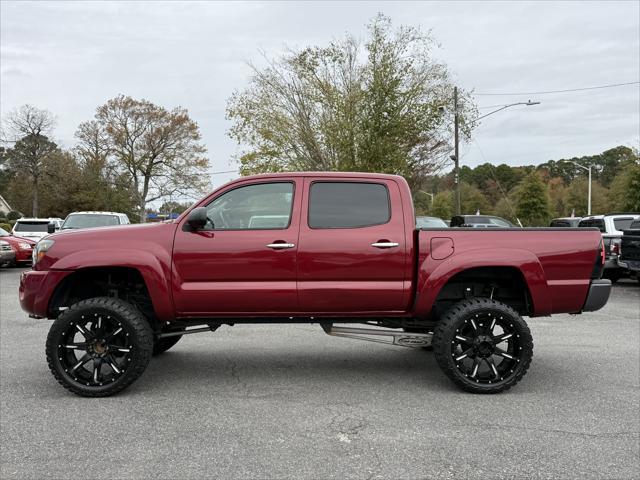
(483, 346)
(99, 346)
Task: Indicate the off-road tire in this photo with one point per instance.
(161, 345)
(458, 317)
(139, 336)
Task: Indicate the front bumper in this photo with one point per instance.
(7, 256)
(36, 289)
(598, 295)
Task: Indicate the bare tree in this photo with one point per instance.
(158, 150)
(27, 130)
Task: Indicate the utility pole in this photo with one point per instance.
(456, 152)
(589, 192)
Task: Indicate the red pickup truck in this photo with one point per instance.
(326, 248)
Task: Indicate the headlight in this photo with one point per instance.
(40, 249)
(24, 246)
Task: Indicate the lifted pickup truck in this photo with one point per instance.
(326, 248)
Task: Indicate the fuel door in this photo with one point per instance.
(441, 247)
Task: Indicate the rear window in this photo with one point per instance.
(560, 223)
(593, 223)
(635, 225)
(623, 223)
(348, 205)
(31, 227)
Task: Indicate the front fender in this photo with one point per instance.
(433, 275)
(156, 274)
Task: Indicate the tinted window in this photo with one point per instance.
(560, 223)
(31, 227)
(348, 205)
(622, 223)
(635, 225)
(593, 223)
(264, 206)
(90, 221)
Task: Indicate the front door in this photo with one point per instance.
(244, 260)
(352, 251)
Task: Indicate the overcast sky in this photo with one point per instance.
(71, 57)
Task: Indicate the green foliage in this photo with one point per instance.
(373, 107)
(576, 198)
(532, 206)
(625, 189)
(443, 205)
(472, 200)
(14, 215)
(6, 226)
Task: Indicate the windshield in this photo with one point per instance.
(31, 227)
(89, 221)
(430, 222)
(4, 233)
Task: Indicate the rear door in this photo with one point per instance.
(352, 247)
(244, 260)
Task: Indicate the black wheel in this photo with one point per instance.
(420, 330)
(99, 346)
(161, 345)
(483, 345)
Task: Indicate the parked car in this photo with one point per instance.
(570, 222)
(611, 226)
(35, 228)
(7, 254)
(629, 257)
(480, 221)
(78, 220)
(430, 222)
(348, 252)
(23, 247)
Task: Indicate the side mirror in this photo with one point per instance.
(197, 218)
(51, 227)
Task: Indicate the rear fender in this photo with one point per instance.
(154, 273)
(434, 275)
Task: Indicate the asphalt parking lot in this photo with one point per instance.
(287, 401)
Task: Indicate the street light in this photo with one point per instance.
(589, 194)
(456, 155)
(528, 103)
(427, 193)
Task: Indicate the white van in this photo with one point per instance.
(35, 228)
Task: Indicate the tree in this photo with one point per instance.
(31, 156)
(27, 129)
(532, 206)
(377, 106)
(443, 205)
(576, 198)
(158, 151)
(472, 200)
(625, 189)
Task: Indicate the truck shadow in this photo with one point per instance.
(271, 371)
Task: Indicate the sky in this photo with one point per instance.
(71, 57)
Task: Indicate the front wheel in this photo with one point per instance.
(99, 346)
(483, 346)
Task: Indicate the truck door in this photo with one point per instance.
(352, 248)
(244, 261)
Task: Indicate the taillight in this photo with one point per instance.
(614, 248)
(603, 255)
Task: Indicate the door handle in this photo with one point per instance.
(281, 246)
(385, 244)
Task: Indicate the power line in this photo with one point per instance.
(562, 91)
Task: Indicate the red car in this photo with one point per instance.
(327, 248)
(23, 247)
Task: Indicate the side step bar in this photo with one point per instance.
(402, 339)
(212, 327)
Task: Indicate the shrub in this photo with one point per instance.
(6, 226)
(14, 215)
